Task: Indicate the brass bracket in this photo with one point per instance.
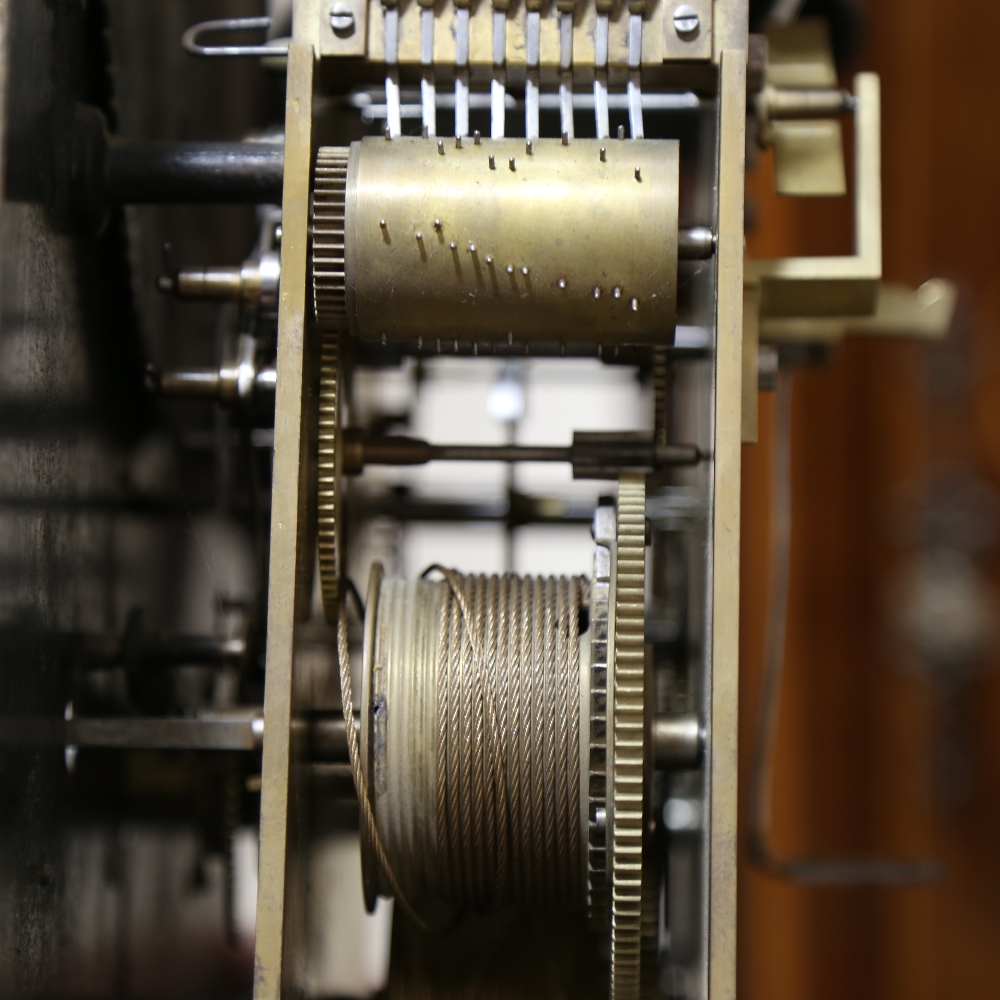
(837, 286)
(333, 27)
(924, 313)
(661, 41)
(693, 43)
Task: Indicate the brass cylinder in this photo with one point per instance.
(489, 242)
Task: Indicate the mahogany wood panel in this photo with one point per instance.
(854, 750)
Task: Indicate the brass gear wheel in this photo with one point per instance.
(328, 475)
(329, 291)
(627, 739)
(329, 211)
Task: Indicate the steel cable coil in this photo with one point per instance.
(472, 741)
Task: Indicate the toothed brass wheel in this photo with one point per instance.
(328, 475)
(626, 738)
(328, 213)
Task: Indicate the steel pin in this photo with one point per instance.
(493, 162)
(565, 138)
(604, 155)
(621, 131)
(638, 174)
(510, 163)
(441, 146)
(476, 137)
(527, 146)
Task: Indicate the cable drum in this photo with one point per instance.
(475, 710)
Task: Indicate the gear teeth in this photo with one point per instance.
(328, 240)
(626, 762)
(329, 207)
(328, 475)
(597, 778)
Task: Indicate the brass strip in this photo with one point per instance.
(725, 581)
(277, 964)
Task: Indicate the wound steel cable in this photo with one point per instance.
(500, 699)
